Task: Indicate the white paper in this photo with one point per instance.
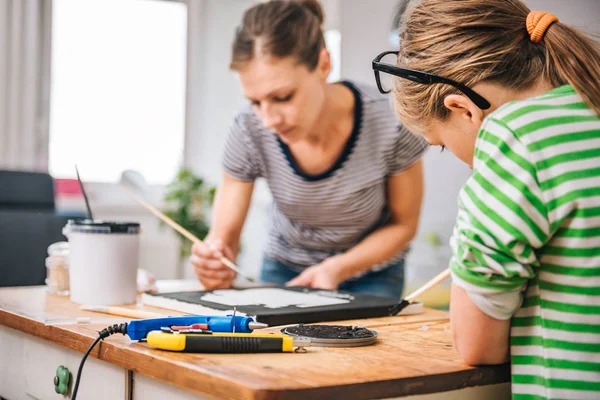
(275, 298)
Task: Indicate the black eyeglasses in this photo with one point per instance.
(422, 77)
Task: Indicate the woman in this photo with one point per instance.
(515, 94)
(345, 177)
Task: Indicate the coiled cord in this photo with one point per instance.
(103, 334)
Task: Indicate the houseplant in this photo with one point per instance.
(187, 201)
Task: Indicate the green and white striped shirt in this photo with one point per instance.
(527, 240)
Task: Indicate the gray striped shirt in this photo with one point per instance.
(317, 216)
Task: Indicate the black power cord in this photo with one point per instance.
(103, 334)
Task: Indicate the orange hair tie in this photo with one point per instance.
(538, 23)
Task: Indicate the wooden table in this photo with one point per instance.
(413, 356)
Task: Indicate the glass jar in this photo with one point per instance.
(57, 268)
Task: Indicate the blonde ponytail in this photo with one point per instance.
(573, 58)
(474, 41)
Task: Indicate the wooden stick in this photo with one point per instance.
(439, 278)
(182, 230)
(122, 311)
(409, 322)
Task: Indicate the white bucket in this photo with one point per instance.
(104, 259)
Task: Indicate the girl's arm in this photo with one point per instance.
(479, 338)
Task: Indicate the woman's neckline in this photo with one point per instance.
(346, 151)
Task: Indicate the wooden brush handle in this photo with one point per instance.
(122, 311)
(163, 217)
(132, 313)
(439, 278)
(181, 230)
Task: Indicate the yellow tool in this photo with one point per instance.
(226, 342)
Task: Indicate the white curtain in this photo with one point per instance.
(25, 28)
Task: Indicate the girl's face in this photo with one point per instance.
(459, 132)
(286, 96)
(455, 135)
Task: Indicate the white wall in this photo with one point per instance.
(580, 14)
(216, 95)
(215, 100)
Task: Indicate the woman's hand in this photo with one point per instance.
(211, 272)
(325, 275)
(229, 213)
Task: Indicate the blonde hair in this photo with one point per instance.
(473, 41)
(280, 28)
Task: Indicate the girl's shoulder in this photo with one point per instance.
(525, 116)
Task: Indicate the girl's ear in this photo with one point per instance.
(464, 109)
(324, 64)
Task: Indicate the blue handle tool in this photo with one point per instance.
(138, 329)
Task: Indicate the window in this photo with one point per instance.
(333, 42)
(118, 88)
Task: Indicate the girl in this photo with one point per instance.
(345, 177)
(515, 94)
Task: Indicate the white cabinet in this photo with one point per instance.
(28, 366)
(145, 388)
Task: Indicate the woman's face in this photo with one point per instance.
(286, 96)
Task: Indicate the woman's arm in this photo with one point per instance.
(405, 191)
(230, 208)
(229, 213)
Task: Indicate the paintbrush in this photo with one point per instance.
(408, 300)
(128, 180)
(87, 203)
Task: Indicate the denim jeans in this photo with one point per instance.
(388, 282)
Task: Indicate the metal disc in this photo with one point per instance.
(321, 342)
